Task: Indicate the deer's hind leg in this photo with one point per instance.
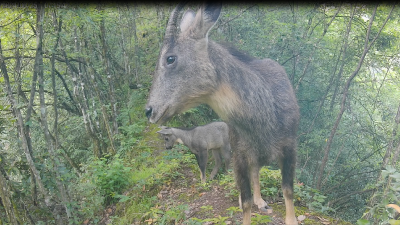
(287, 165)
(262, 205)
(226, 155)
(218, 162)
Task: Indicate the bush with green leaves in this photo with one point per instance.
(270, 182)
(111, 176)
(87, 200)
(312, 198)
(387, 192)
(173, 215)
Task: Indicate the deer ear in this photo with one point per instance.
(205, 19)
(165, 131)
(211, 11)
(187, 20)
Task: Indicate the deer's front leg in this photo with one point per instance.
(242, 173)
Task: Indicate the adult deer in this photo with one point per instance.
(254, 97)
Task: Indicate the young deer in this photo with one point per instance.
(213, 136)
(253, 96)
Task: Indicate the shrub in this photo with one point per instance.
(111, 177)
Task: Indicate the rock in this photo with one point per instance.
(266, 210)
(301, 218)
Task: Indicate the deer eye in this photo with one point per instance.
(171, 59)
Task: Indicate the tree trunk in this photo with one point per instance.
(21, 130)
(92, 74)
(397, 151)
(57, 27)
(124, 47)
(7, 200)
(97, 151)
(367, 46)
(136, 50)
(43, 115)
(110, 79)
(21, 93)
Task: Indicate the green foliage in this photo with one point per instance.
(233, 210)
(260, 219)
(300, 37)
(194, 117)
(387, 192)
(228, 182)
(312, 198)
(220, 220)
(110, 176)
(174, 215)
(88, 199)
(270, 182)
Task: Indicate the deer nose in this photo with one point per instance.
(148, 112)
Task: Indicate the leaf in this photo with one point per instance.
(363, 222)
(28, 123)
(122, 198)
(394, 222)
(395, 176)
(390, 169)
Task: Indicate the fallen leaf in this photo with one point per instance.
(86, 222)
(150, 221)
(396, 207)
(109, 210)
(201, 194)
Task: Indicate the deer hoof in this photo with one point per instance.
(261, 203)
(266, 210)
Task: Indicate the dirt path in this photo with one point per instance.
(213, 198)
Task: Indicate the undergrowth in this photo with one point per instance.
(133, 177)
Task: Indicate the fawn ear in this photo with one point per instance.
(187, 20)
(165, 131)
(205, 19)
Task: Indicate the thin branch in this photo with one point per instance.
(235, 17)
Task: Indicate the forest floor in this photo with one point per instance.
(213, 200)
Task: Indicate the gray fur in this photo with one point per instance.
(213, 136)
(254, 97)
